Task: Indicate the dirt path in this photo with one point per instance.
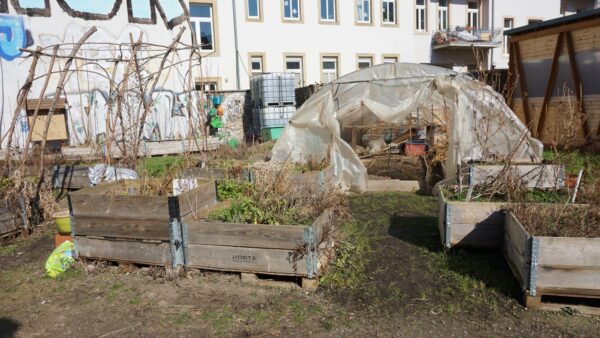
(391, 280)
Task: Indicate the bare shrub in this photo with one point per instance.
(559, 220)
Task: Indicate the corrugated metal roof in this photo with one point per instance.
(563, 20)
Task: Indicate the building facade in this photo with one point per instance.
(320, 40)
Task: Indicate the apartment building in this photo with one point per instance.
(320, 40)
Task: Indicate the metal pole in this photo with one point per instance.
(237, 52)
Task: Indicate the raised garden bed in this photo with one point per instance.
(478, 224)
(551, 266)
(285, 250)
(535, 175)
(12, 217)
(470, 224)
(115, 221)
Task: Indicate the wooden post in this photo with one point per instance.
(549, 86)
(523, 86)
(577, 83)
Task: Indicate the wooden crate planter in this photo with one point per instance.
(217, 174)
(12, 222)
(258, 248)
(557, 266)
(70, 177)
(112, 222)
(536, 175)
(470, 224)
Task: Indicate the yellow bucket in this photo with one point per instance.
(63, 222)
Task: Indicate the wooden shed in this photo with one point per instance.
(554, 70)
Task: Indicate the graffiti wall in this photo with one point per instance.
(27, 24)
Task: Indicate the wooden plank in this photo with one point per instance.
(245, 235)
(123, 206)
(550, 85)
(124, 251)
(133, 228)
(442, 216)
(514, 258)
(516, 234)
(392, 185)
(476, 213)
(578, 85)
(575, 252)
(476, 235)
(46, 104)
(56, 132)
(514, 247)
(583, 281)
(71, 177)
(535, 175)
(522, 85)
(203, 197)
(554, 30)
(253, 260)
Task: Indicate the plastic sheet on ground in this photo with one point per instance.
(60, 260)
(480, 124)
(104, 173)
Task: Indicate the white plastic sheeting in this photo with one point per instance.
(480, 125)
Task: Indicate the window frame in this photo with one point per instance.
(389, 56)
(299, 19)
(357, 20)
(215, 26)
(302, 72)
(505, 44)
(216, 81)
(422, 10)
(249, 18)
(370, 57)
(470, 12)
(323, 58)
(446, 10)
(389, 24)
(251, 57)
(335, 20)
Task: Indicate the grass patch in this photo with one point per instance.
(527, 196)
(392, 259)
(160, 166)
(8, 250)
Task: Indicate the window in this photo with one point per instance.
(388, 15)
(473, 15)
(328, 10)
(532, 21)
(256, 64)
(201, 17)
(443, 15)
(364, 62)
(508, 24)
(363, 11)
(291, 9)
(253, 9)
(330, 69)
(293, 64)
(420, 15)
(207, 86)
(390, 59)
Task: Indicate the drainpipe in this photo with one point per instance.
(492, 31)
(237, 52)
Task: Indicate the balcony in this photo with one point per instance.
(466, 38)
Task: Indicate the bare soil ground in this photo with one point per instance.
(391, 279)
